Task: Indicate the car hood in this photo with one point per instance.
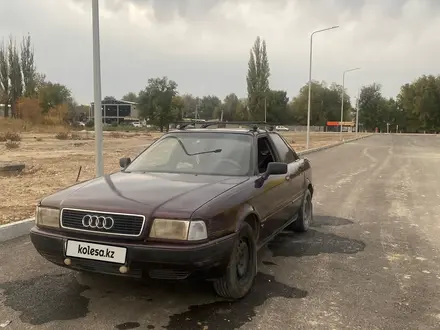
(158, 194)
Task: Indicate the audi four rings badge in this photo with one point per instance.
(98, 222)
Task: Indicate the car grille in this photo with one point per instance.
(124, 224)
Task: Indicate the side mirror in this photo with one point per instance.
(124, 162)
(275, 168)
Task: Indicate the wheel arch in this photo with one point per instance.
(248, 214)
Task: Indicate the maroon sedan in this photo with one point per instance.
(195, 203)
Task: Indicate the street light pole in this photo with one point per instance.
(357, 112)
(310, 80)
(342, 96)
(99, 163)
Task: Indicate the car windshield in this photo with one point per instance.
(197, 153)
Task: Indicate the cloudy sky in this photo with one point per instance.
(204, 44)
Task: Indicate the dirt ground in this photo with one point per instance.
(53, 164)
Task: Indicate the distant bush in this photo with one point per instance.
(115, 134)
(75, 136)
(12, 136)
(12, 144)
(62, 136)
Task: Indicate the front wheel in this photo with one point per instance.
(305, 214)
(242, 268)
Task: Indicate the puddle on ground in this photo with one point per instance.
(313, 243)
(46, 298)
(225, 315)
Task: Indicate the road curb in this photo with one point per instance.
(309, 151)
(20, 228)
(15, 229)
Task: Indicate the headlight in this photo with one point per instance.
(179, 229)
(47, 217)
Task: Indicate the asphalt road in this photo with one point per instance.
(371, 261)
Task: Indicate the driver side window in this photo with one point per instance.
(265, 154)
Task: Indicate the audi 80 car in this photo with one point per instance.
(195, 203)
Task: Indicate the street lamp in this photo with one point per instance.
(310, 80)
(357, 111)
(342, 95)
(99, 164)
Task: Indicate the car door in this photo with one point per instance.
(272, 197)
(296, 170)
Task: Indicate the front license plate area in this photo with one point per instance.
(93, 251)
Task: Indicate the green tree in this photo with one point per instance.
(277, 106)
(130, 97)
(54, 94)
(229, 109)
(155, 101)
(4, 78)
(208, 106)
(190, 104)
(420, 103)
(28, 68)
(325, 104)
(15, 75)
(257, 79)
(373, 108)
(242, 112)
(177, 106)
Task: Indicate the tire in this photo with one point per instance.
(305, 214)
(242, 267)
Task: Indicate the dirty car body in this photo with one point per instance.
(195, 203)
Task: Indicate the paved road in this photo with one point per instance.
(371, 261)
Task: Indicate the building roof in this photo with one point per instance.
(114, 101)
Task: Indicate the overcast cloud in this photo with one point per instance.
(204, 44)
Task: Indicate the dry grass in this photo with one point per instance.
(62, 136)
(12, 144)
(52, 164)
(18, 125)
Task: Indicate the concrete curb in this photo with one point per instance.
(309, 151)
(15, 229)
(21, 228)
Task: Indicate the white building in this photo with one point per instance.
(116, 111)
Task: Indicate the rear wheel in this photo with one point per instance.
(305, 214)
(242, 268)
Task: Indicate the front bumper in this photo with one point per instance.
(174, 262)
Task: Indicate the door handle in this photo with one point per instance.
(287, 177)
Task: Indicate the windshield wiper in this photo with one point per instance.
(205, 152)
(196, 153)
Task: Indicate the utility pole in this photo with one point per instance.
(342, 96)
(357, 112)
(99, 162)
(310, 80)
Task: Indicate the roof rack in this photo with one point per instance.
(181, 125)
(253, 125)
